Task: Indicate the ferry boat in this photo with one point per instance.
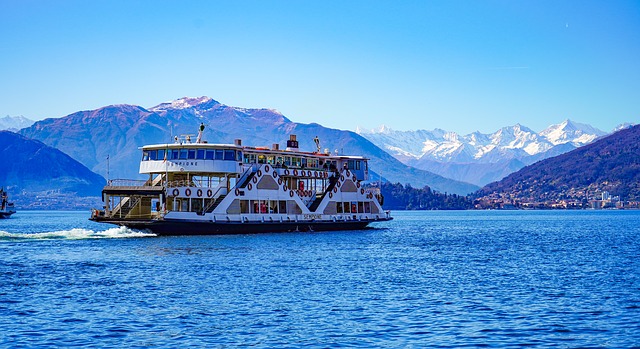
(6, 208)
(198, 188)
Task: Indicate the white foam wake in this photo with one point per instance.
(78, 234)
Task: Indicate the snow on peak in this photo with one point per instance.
(508, 142)
(382, 129)
(183, 103)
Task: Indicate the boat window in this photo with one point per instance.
(273, 206)
(262, 159)
(304, 162)
(219, 154)
(183, 154)
(351, 165)
(161, 155)
(153, 154)
(230, 155)
(283, 206)
(174, 154)
(238, 156)
(249, 158)
(360, 207)
(271, 159)
(145, 156)
(200, 154)
(210, 155)
(358, 165)
(244, 206)
(192, 154)
(287, 161)
(338, 207)
(367, 207)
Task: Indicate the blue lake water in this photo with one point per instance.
(501, 279)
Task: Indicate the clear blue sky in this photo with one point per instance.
(457, 65)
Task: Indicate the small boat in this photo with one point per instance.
(7, 208)
(199, 188)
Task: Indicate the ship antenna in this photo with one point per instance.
(200, 131)
(107, 168)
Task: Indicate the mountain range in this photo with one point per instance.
(610, 164)
(31, 165)
(117, 131)
(14, 123)
(479, 158)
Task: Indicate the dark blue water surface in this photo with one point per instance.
(564, 279)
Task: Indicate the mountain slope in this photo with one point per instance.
(32, 166)
(609, 164)
(117, 131)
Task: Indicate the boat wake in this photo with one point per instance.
(77, 234)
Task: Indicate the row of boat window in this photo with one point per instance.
(192, 154)
(353, 207)
(236, 155)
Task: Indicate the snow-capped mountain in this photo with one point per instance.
(14, 123)
(480, 158)
(117, 131)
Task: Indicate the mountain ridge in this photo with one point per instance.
(465, 157)
(117, 131)
(610, 164)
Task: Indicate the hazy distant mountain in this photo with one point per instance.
(118, 130)
(14, 123)
(30, 165)
(610, 164)
(480, 158)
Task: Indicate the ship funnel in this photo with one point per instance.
(275, 146)
(292, 143)
(237, 142)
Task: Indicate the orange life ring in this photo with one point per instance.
(237, 192)
(354, 178)
(209, 193)
(199, 192)
(295, 172)
(259, 173)
(254, 179)
(291, 193)
(315, 174)
(286, 172)
(279, 180)
(362, 191)
(348, 173)
(249, 186)
(266, 168)
(176, 192)
(330, 195)
(275, 174)
(358, 184)
(335, 189)
(338, 184)
(342, 177)
(187, 192)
